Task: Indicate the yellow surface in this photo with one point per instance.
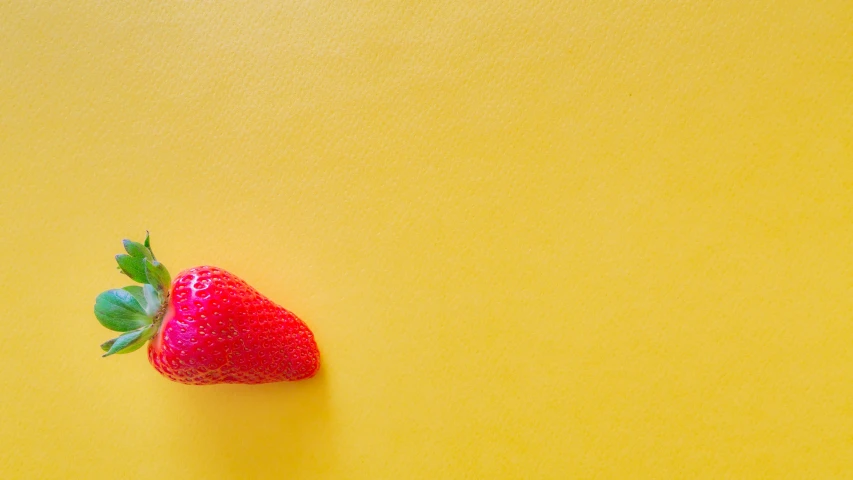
(535, 240)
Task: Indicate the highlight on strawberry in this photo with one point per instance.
(204, 327)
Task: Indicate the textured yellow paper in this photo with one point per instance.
(534, 239)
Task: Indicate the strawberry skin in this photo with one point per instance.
(207, 326)
(218, 329)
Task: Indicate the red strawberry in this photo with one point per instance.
(206, 327)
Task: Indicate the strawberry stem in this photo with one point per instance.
(136, 311)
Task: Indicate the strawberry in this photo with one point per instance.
(205, 327)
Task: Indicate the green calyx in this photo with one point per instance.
(137, 310)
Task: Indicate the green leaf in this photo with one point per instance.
(106, 345)
(130, 341)
(148, 244)
(137, 250)
(117, 310)
(138, 294)
(132, 267)
(157, 275)
(152, 299)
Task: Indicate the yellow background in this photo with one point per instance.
(534, 239)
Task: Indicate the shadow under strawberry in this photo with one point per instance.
(278, 430)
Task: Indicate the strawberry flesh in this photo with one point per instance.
(218, 329)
